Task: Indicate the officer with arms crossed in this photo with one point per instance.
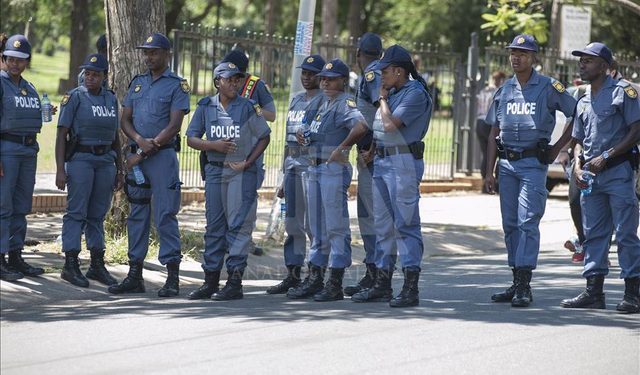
(367, 55)
(607, 127)
(303, 107)
(151, 117)
(523, 115)
(89, 144)
(337, 126)
(230, 123)
(20, 122)
(400, 124)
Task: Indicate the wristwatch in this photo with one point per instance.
(605, 155)
(121, 172)
(141, 153)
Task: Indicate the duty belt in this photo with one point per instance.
(517, 155)
(296, 151)
(96, 150)
(134, 148)
(314, 162)
(25, 140)
(392, 150)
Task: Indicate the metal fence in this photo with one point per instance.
(196, 49)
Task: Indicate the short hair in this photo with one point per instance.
(3, 41)
(499, 74)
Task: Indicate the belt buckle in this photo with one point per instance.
(29, 141)
(511, 155)
(99, 150)
(380, 152)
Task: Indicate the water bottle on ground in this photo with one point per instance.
(283, 209)
(47, 115)
(588, 177)
(137, 174)
(306, 132)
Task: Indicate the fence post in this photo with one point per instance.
(469, 129)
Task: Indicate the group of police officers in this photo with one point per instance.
(386, 123)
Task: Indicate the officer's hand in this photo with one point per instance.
(1, 170)
(301, 140)
(148, 145)
(366, 156)
(238, 166)
(597, 164)
(119, 182)
(280, 193)
(489, 184)
(384, 92)
(582, 184)
(338, 157)
(54, 109)
(226, 146)
(132, 160)
(61, 179)
(563, 158)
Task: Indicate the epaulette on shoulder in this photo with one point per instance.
(133, 79)
(205, 101)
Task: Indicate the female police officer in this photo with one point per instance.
(399, 126)
(89, 119)
(230, 123)
(337, 126)
(20, 121)
(303, 107)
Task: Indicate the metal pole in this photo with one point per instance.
(472, 73)
(304, 39)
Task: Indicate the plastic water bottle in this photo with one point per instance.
(306, 132)
(588, 177)
(137, 174)
(46, 109)
(283, 209)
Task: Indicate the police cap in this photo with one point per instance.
(17, 46)
(525, 42)
(314, 63)
(101, 43)
(156, 41)
(334, 68)
(238, 58)
(596, 49)
(370, 44)
(393, 55)
(226, 70)
(96, 62)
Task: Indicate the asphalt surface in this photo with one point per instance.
(49, 326)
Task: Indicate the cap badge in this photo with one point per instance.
(24, 92)
(232, 66)
(520, 40)
(149, 39)
(17, 44)
(329, 66)
(94, 59)
(310, 60)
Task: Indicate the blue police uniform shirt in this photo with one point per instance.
(527, 115)
(20, 107)
(93, 118)
(602, 122)
(366, 97)
(332, 125)
(242, 121)
(413, 105)
(262, 96)
(152, 101)
(300, 109)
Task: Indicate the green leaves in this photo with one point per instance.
(523, 16)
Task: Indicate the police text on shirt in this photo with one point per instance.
(27, 102)
(521, 108)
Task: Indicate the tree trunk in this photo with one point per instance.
(271, 11)
(79, 43)
(329, 27)
(355, 22)
(128, 24)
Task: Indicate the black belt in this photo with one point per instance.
(617, 161)
(517, 155)
(96, 150)
(296, 151)
(25, 140)
(314, 162)
(134, 148)
(392, 150)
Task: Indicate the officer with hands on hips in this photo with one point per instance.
(337, 126)
(303, 107)
(401, 122)
(523, 115)
(151, 117)
(89, 117)
(20, 122)
(367, 55)
(607, 127)
(230, 123)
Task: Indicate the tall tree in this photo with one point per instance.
(329, 24)
(79, 47)
(128, 23)
(356, 7)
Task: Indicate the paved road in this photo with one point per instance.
(48, 326)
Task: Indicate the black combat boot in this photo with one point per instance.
(508, 294)
(291, 281)
(18, 264)
(7, 272)
(171, 287)
(523, 296)
(133, 283)
(71, 270)
(311, 286)
(211, 285)
(409, 295)
(97, 271)
(591, 298)
(233, 289)
(333, 289)
(631, 301)
(366, 282)
(380, 291)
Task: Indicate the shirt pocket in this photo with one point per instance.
(160, 105)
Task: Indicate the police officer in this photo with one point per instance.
(230, 123)
(89, 120)
(367, 55)
(303, 107)
(337, 126)
(20, 122)
(400, 124)
(523, 114)
(607, 127)
(101, 47)
(151, 117)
